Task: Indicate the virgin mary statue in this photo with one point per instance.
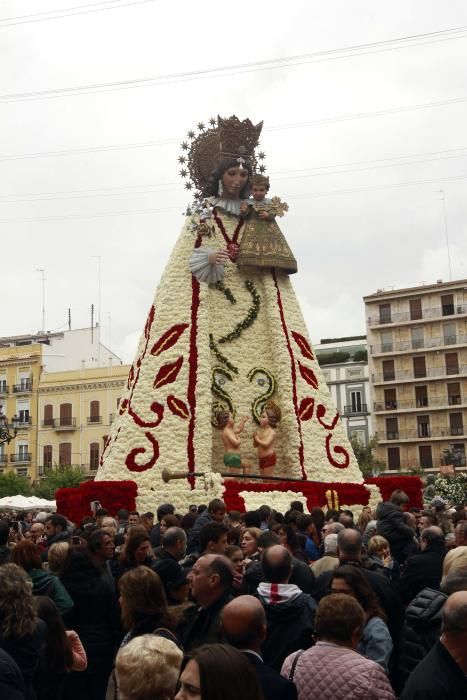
(222, 339)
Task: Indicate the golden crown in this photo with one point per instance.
(225, 138)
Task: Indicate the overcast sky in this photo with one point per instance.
(354, 223)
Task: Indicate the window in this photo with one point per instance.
(25, 380)
(423, 426)
(454, 394)
(390, 400)
(64, 454)
(449, 334)
(426, 458)
(94, 410)
(385, 313)
(22, 471)
(48, 415)
(415, 309)
(356, 401)
(47, 456)
(388, 370)
(94, 455)
(386, 342)
(392, 429)
(452, 363)
(417, 338)
(447, 304)
(456, 425)
(421, 396)
(65, 414)
(394, 458)
(359, 435)
(23, 451)
(419, 367)
(3, 385)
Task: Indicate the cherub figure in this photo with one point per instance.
(230, 438)
(263, 243)
(265, 438)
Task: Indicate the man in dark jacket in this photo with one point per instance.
(210, 582)
(290, 613)
(11, 679)
(442, 675)
(244, 625)
(214, 512)
(423, 570)
(163, 509)
(390, 524)
(4, 548)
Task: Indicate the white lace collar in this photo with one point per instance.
(230, 206)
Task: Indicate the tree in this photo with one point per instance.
(57, 478)
(364, 456)
(13, 485)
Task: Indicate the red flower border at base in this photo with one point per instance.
(74, 503)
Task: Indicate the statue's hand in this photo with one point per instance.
(263, 215)
(218, 257)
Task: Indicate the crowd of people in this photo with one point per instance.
(218, 605)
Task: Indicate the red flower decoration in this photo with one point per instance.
(321, 412)
(169, 338)
(130, 461)
(178, 407)
(149, 322)
(308, 375)
(338, 450)
(131, 376)
(156, 408)
(123, 406)
(303, 344)
(306, 408)
(168, 373)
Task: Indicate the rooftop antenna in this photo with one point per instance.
(43, 298)
(69, 319)
(443, 199)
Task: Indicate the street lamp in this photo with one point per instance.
(8, 431)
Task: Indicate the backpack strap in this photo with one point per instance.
(294, 664)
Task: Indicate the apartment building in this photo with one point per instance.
(344, 365)
(417, 340)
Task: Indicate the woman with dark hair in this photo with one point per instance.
(376, 642)
(144, 606)
(21, 632)
(95, 619)
(137, 551)
(28, 555)
(61, 653)
(218, 672)
(289, 539)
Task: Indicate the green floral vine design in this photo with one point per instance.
(218, 390)
(220, 357)
(249, 318)
(269, 382)
(226, 292)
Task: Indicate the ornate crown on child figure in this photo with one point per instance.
(226, 138)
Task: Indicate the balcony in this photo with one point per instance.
(22, 388)
(408, 374)
(24, 423)
(427, 344)
(64, 423)
(3, 389)
(427, 315)
(416, 435)
(48, 423)
(356, 410)
(417, 404)
(3, 459)
(21, 458)
(94, 420)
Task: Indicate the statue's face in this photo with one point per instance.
(233, 181)
(258, 192)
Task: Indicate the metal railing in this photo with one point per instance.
(420, 435)
(409, 374)
(21, 457)
(94, 420)
(430, 313)
(417, 403)
(25, 422)
(355, 410)
(22, 387)
(64, 422)
(3, 459)
(425, 344)
(4, 389)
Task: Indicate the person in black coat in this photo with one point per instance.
(390, 524)
(423, 570)
(442, 675)
(214, 512)
(244, 625)
(95, 619)
(11, 680)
